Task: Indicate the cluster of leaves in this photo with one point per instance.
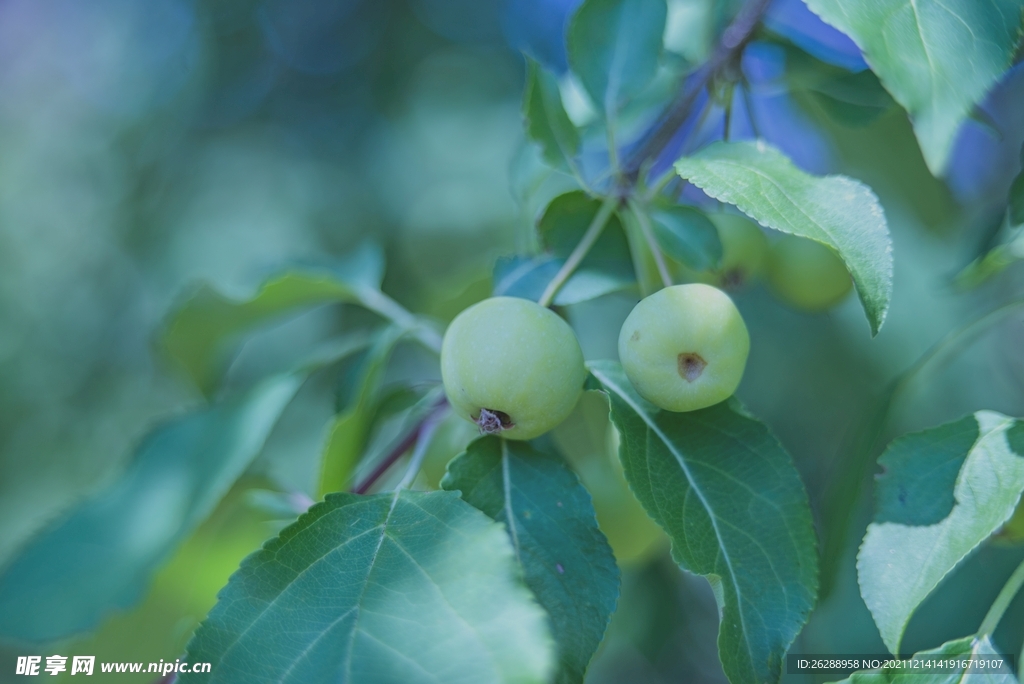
(499, 572)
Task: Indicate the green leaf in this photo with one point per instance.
(852, 99)
(566, 219)
(393, 430)
(606, 268)
(102, 555)
(938, 58)
(994, 262)
(730, 499)
(846, 113)
(960, 649)
(688, 236)
(546, 121)
(407, 587)
(527, 278)
(836, 211)
(1015, 437)
(204, 332)
(566, 561)
(614, 48)
(1006, 249)
(861, 89)
(348, 435)
(918, 477)
(855, 99)
(1015, 211)
(899, 565)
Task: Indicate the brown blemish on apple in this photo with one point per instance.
(691, 365)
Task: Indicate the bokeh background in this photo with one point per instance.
(149, 145)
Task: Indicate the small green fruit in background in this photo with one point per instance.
(806, 274)
(1012, 531)
(512, 367)
(744, 254)
(685, 347)
(590, 443)
(744, 251)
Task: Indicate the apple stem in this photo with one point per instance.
(594, 231)
(645, 229)
(1002, 602)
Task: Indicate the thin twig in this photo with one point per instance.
(652, 243)
(1002, 602)
(381, 304)
(731, 44)
(688, 144)
(669, 173)
(748, 104)
(727, 115)
(577, 255)
(396, 453)
(613, 151)
(660, 184)
(694, 137)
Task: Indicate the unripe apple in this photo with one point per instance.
(806, 274)
(634, 537)
(744, 254)
(590, 443)
(512, 367)
(744, 251)
(1012, 531)
(685, 347)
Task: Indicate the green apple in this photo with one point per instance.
(685, 347)
(744, 254)
(1012, 531)
(806, 274)
(590, 443)
(512, 367)
(744, 251)
(634, 537)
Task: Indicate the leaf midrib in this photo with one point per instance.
(700, 495)
(309, 647)
(234, 643)
(556, 523)
(507, 504)
(932, 71)
(366, 581)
